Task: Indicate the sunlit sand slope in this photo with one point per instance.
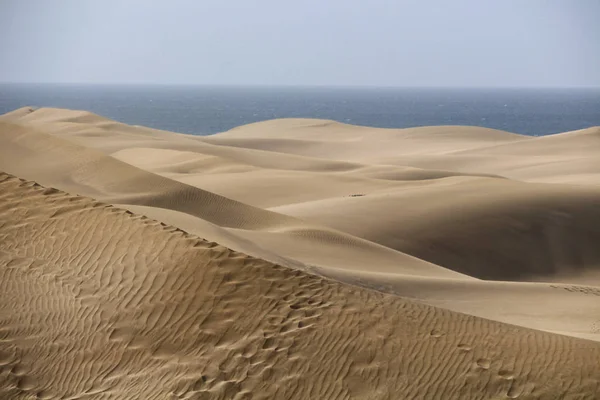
(97, 302)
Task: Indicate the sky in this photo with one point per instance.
(389, 43)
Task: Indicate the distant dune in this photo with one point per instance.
(296, 259)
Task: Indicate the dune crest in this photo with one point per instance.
(154, 312)
(352, 262)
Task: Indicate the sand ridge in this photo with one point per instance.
(158, 313)
(52, 160)
(413, 225)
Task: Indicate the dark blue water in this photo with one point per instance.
(205, 110)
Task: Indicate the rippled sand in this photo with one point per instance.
(343, 256)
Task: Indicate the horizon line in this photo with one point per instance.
(295, 86)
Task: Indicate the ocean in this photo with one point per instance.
(205, 110)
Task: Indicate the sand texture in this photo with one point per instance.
(296, 259)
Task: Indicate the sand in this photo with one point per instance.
(296, 259)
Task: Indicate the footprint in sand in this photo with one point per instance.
(483, 363)
(436, 333)
(26, 383)
(505, 374)
(463, 347)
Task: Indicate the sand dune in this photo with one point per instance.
(536, 230)
(98, 302)
(353, 249)
(55, 161)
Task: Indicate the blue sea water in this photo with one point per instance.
(205, 110)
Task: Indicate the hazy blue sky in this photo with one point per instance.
(303, 42)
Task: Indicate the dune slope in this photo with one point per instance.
(417, 212)
(448, 217)
(98, 302)
(53, 160)
(365, 263)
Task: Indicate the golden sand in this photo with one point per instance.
(352, 262)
